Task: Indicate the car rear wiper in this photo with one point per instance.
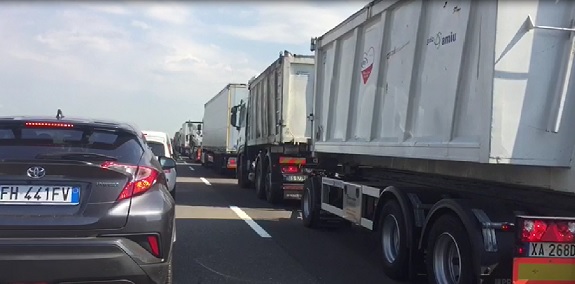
(76, 156)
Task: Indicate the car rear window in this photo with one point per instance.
(157, 148)
(19, 142)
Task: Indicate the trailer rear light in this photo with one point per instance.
(290, 170)
(141, 178)
(49, 125)
(548, 231)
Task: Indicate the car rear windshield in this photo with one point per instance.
(157, 148)
(25, 143)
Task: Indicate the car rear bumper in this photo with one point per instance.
(85, 260)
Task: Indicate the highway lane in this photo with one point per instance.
(226, 235)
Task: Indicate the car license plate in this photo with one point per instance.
(39, 195)
(296, 178)
(551, 250)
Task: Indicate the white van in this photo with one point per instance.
(161, 145)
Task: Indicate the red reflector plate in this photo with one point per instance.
(293, 186)
(543, 270)
(290, 160)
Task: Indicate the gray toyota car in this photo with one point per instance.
(82, 201)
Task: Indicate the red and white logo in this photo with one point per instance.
(367, 64)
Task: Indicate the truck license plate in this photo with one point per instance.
(295, 178)
(551, 250)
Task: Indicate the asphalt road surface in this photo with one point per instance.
(225, 234)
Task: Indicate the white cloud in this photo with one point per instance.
(140, 24)
(107, 8)
(77, 39)
(291, 23)
(169, 12)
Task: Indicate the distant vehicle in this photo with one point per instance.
(83, 200)
(188, 139)
(161, 145)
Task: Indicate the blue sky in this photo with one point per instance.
(150, 64)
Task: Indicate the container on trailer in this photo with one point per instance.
(476, 82)
(280, 101)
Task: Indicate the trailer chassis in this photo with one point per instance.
(424, 221)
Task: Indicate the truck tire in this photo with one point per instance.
(274, 193)
(449, 255)
(260, 190)
(392, 234)
(241, 173)
(311, 204)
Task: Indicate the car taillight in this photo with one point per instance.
(49, 124)
(547, 231)
(154, 243)
(150, 242)
(290, 169)
(141, 178)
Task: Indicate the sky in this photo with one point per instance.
(151, 64)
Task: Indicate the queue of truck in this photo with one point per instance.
(442, 126)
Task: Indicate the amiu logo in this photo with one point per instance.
(440, 40)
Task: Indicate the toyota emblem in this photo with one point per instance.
(36, 172)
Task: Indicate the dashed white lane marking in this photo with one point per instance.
(259, 230)
(191, 168)
(205, 181)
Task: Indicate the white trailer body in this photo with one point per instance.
(218, 133)
(445, 126)
(472, 83)
(280, 100)
(220, 138)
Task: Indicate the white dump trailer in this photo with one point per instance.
(277, 131)
(447, 127)
(220, 138)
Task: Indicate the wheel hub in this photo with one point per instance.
(446, 260)
(390, 238)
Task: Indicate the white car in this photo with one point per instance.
(160, 144)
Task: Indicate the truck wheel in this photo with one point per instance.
(260, 190)
(449, 254)
(311, 204)
(273, 193)
(243, 181)
(392, 236)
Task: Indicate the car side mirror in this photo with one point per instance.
(167, 163)
(199, 127)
